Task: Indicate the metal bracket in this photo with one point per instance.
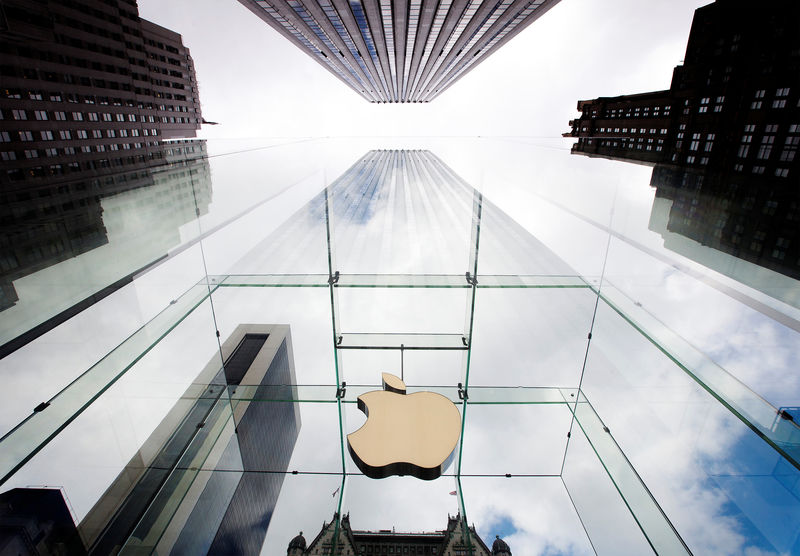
(785, 415)
(462, 392)
(341, 391)
(464, 341)
(471, 280)
(333, 280)
(41, 407)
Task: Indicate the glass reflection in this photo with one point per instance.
(90, 232)
(659, 460)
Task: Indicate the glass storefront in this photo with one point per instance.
(616, 395)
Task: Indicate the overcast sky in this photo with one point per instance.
(257, 84)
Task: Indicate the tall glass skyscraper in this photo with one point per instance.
(391, 51)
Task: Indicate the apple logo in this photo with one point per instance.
(413, 434)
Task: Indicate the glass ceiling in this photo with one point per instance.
(616, 395)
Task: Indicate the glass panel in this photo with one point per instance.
(530, 337)
(752, 408)
(654, 524)
(72, 240)
(709, 449)
(491, 429)
(530, 514)
(397, 310)
(29, 436)
(605, 517)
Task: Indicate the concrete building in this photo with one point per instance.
(391, 51)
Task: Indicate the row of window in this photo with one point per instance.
(705, 103)
(70, 151)
(98, 83)
(760, 170)
(651, 131)
(18, 174)
(44, 115)
(634, 112)
(779, 102)
(371, 549)
(634, 144)
(90, 99)
(67, 134)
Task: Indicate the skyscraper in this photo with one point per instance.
(208, 478)
(89, 93)
(391, 51)
(88, 86)
(723, 139)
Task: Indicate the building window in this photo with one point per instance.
(760, 93)
(779, 103)
(19, 114)
(784, 92)
(781, 172)
(26, 136)
(46, 135)
(40, 114)
(755, 105)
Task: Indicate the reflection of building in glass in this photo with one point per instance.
(392, 51)
(49, 220)
(37, 521)
(208, 479)
(448, 542)
(724, 137)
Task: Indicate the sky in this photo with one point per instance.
(255, 83)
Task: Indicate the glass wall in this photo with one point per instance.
(615, 397)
